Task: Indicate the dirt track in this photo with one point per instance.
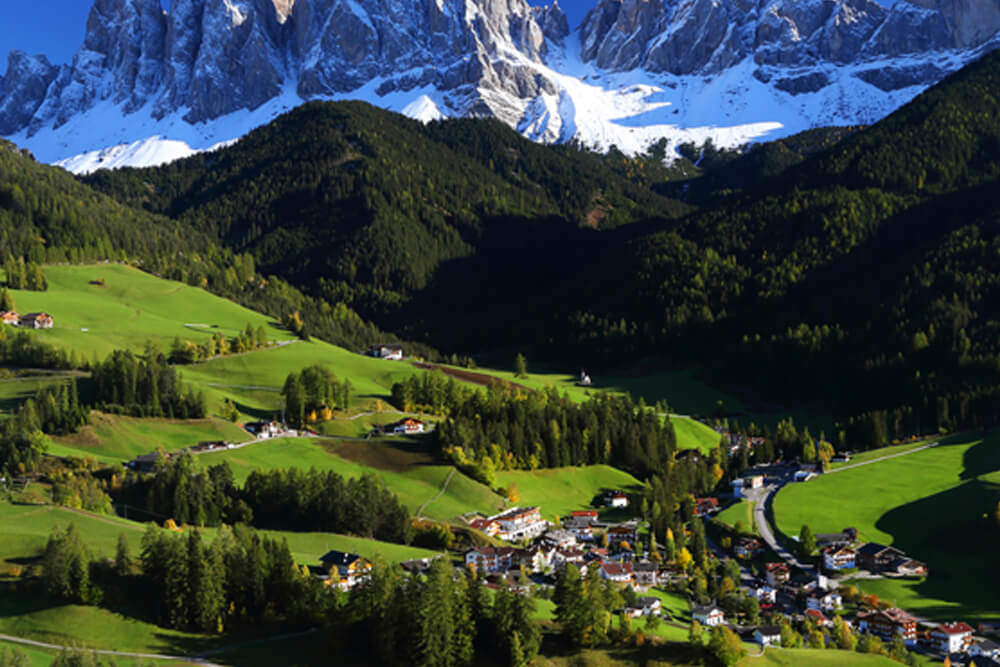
(470, 376)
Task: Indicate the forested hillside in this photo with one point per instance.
(364, 206)
(855, 267)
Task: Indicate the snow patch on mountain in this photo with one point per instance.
(423, 109)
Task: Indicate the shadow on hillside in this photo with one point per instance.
(983, 458)
(955, 534)
(256, 413)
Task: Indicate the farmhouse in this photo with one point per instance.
(387, 352)
(263, 429)
(952, 637)
(624, 532)
(564, 557)
(619, 573)
(820, 600)
(985, 648)
(907, 567)
(747, 547)
(744, 484)
(765, 594)
(887, 623)
(708, 615)
(37, 321)
(839, 558)
(147, 462)
(10, 317)
(351, 568)
(767, 635)
(646, 573)
(877, 557)
(407, 426)
(647, 606)
(844, 538)
(616, 499)
(582, 529)
(818, 616)
(560, 538)
(705, 506)
(777, 574)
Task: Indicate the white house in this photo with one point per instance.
(560, 538)
(954, 637)
(826, 601)
(842, 558)
(520, 524)
(648, 606)
(764, 594)
(708, 615)
(408, 426)
(617, 499)
(767, 635)
(388, 352)
(620, 573)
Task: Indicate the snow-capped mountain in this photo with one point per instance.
(158, 85)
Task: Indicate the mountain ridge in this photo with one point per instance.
(633, 73)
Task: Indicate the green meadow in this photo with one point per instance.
(796, 657)
(129, 309)
(113, 438)
(559, 491)
(741, 510)
(937, 505)
(409, 473)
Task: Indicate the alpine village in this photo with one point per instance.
(320, 346)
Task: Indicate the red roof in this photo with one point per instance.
(959, 628)
(777, 567)
(592, 513)
(617, 569)
(812, 613)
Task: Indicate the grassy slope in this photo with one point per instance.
(561, 490)
(870, 455)
(415, 481)
(813, 658)
(932, 504)
(739, 511)
(133, 307)
(26, 528)
(372, 379)
(112, 439)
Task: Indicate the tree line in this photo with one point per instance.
(443, 619)
(238, 579)
(144, 386)
(313, 394)
(248, 340)
(292, 499)
(502, 428)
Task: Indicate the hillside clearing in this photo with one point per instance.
(924, 503)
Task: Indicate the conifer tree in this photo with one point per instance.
(7, 301)
(123, 561)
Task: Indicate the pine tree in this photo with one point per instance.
(520, 366)
(7, 301)
(807, 541)
(123, 561)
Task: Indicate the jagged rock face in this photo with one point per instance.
(23, 89)
(708, 36)
(212, 57)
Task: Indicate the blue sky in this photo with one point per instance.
(55, 27)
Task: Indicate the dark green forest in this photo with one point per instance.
(854, 268)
